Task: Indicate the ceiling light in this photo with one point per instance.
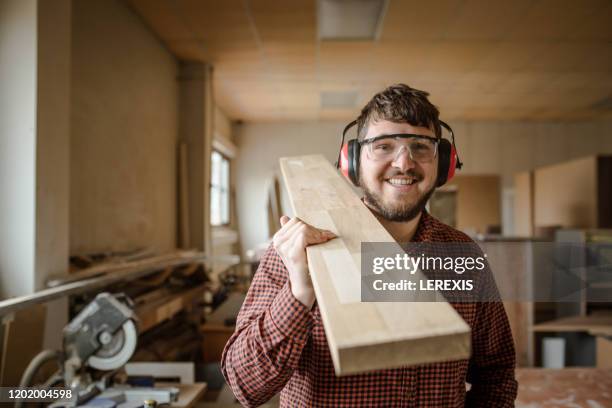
(350, 19)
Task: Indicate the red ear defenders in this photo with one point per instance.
(448, 159)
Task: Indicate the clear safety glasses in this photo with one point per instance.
(421, 148)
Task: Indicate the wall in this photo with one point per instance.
(259, 148)
(495, 148)
(124, 130)
(18, 44)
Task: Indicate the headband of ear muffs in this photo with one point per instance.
(448, 158)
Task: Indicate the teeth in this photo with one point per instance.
(402, 181)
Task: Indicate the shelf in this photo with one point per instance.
(598, 325)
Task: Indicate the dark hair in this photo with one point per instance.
(400, 104)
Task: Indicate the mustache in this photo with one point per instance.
(410, 173)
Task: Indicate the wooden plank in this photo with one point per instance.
(160, 261)
(10, 305)
(152, 314)
(363, 336)
(184, 371)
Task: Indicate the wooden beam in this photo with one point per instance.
(98, 281)
(363, 336)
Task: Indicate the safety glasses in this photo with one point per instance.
(422, 149)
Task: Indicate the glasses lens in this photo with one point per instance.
(420, 149)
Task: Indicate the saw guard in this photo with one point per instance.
(130, 336)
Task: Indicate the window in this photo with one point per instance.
(219, 190)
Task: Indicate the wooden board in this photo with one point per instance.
(152, 314)
(363, 336)
(175, 258)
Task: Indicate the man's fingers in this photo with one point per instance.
(295, 227)
(284, 219)
(317, 236)
(330, 234)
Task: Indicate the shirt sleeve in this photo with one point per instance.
(272, 329)
(491, 370)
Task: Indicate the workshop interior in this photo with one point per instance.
(140, 181)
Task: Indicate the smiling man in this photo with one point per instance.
(279, 344)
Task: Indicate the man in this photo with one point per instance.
(279, 343)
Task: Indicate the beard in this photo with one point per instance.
(401, 212)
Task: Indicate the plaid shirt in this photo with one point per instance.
(280, 345)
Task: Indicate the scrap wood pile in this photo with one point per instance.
(167, 292)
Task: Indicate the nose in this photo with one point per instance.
(403, 160)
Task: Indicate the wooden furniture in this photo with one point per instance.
(594, 325)
(363, 336)
(517, 268)
(574, 194)
(216, 332)
(568, 387)
(604, 352)
(478, 205)
(189, 394)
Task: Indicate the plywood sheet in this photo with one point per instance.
(363, 336)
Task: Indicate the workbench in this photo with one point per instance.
(567, 387)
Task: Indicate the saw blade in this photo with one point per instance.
(118, 351)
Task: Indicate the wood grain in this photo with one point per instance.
(363, 336)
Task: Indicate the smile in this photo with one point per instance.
(403, 181)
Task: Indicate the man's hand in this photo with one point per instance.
(290, 242)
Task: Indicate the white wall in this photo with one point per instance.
(501, 148)
(18, 58)
(123, 133)
(259, 148)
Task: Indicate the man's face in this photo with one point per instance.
(381, 180)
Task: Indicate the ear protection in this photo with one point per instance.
(448, 159)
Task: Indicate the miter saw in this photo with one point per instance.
(101, 337)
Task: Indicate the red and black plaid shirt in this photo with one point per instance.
(280, 346)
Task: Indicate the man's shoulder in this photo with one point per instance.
(441, 232)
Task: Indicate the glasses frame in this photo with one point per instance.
(369, 141)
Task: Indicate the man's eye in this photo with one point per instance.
(382, 147)
(420, 146)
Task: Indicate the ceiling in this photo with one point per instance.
(501, 60)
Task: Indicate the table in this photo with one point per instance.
(189, 394)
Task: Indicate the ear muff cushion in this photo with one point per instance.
(344, 161)
(444, 162)
(354, 150)
(453, 164)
